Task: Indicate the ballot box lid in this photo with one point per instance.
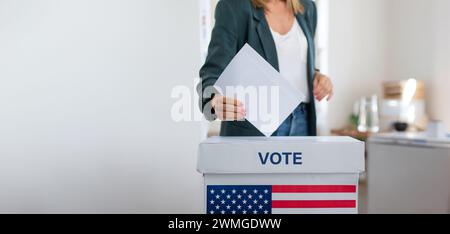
(222, 155)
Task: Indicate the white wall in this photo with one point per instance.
(85, 106)
(358, 52)
(419, 36)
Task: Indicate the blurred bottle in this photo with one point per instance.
(368, 120)
(362, 117)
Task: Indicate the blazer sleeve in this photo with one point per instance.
(222, 49)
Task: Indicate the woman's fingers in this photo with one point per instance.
(330, 91)
(318, 84)
(318, 87)
(228, 108)
(230, 116)
(330, 95)
(316, 80)
(325, 88)
(322, 87)
(231, 101)
(221, 100)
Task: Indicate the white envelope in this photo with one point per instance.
(268, 98)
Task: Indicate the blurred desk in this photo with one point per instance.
(362, 136)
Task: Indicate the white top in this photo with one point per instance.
(292, 49)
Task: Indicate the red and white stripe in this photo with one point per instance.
(320, 199)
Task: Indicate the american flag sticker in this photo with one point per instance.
(281, 199)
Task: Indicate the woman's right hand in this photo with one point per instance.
(228, 109)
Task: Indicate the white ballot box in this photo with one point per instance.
(281, 175)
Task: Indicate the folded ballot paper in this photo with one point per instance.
(268, 98)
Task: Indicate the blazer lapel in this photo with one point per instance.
(268, 44)
(301, 20)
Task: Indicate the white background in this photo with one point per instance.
(85, 105)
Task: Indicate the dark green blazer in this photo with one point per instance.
(237, 23)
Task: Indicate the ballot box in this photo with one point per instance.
(281, 175)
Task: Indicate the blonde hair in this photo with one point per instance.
(295, 5)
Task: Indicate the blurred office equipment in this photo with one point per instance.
(408, 173)
(403, 103)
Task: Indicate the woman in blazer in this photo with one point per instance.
(282, 32)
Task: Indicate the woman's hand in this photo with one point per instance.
(322, 87)
(228, 109)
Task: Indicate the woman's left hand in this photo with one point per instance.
(323, 87)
